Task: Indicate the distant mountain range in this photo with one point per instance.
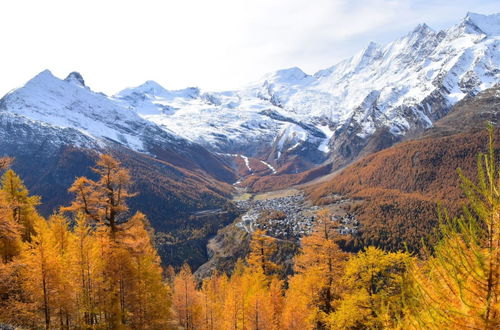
(362, 104)
(190, 148)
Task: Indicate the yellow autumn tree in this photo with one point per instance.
(234, 302)
(21, 205)
(375, 291)
(213, 291)
(104, 200)
(64, 289)
(261, 305)
(186, 299)
(16, 224)
(85, 260)
(459, 285)
(319, 267)
(121, 278)
(147, 297)
(5, 162)
(275, 304)
(103, 274)
(262, 248)
(10, 232)
(43, 273)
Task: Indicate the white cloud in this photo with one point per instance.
(212, 44)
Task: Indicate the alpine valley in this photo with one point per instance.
(211, 165)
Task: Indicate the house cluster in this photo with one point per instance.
(289, 217)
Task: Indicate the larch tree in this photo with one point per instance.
(103, 272)
(299, 313)
(42, 271)
(234, 302)
(5, 162)
(262, 249)
(124, 286)
(10, 232)
(83, 248)
(319, 268)
(104, 200)
(65, 288)
(103, 204)
(256, 281)
(459, 285)
(186, 300)
(148, 297)
(20, 203)
(275, 304)
(214, 290)
(376, 283)
(16, 224)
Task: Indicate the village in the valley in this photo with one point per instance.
(291, 216)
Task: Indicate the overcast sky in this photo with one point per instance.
(213, 44)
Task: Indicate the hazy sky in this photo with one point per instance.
(213, 44)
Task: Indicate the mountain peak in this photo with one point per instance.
(367, 55)
(371, 49)
(479, 23)
(44, 74)
(422, 28)
(151, 87)
(287, 75)
(76, 78)
(152, 84)
(44, 78)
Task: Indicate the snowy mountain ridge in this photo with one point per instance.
(403, 86)
(361, 104)
(69, 104)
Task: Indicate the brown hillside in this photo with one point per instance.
(401, 186)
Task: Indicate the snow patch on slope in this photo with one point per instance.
(247, 163)
(269, 166)
(324, 147)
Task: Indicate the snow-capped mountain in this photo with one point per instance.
(361, 104)
(77, 116)
(69, 104)
(49, 118)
